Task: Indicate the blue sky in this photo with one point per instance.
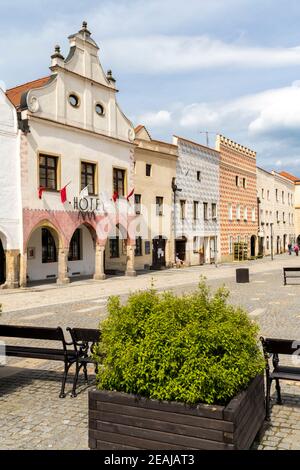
(182, 67)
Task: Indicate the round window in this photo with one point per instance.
(74, 100)
(99, 109)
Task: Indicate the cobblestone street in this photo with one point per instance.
(33, 416)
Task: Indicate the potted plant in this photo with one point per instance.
(177, 372)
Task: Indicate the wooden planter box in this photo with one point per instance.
(119, 421)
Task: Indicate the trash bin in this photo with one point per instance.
(242, 275)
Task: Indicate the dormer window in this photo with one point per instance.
(99, 109)
(74, 100)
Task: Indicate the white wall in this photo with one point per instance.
(37, 270)
(10, 207)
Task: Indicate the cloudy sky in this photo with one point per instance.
(182, 67)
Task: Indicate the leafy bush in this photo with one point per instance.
(194, 348)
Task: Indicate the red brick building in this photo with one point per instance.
(238, 200)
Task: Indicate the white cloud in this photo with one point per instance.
(156, 119)
(177, 54)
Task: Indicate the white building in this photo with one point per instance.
(73, 133)
(276, 212)
(197, 204)
(10, 213)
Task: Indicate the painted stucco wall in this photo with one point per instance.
(10, 207)
(193, 157)
(163, 158)
(267, 184)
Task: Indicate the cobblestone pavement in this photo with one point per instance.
(33, 416)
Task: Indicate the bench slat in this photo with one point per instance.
(32, 332)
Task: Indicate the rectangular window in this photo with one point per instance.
(159, 205)
(213, 210)
(48, 171)
(276, 194)
(245, 213)
(262, 193)
(230, 211)
(196, 210)
(237, 181)
(198, 175)
(114, 247)
(138, 246)
(49, 254)
(88, 177)
(137, 203)
(277, 216)
(119, 181)
(283, 217)
(238, 212)
(244, 183)
(148, 169)
(205, 210)
(268, 195)
(147, 247)
(282, 197)
(253, 214)
(196, 244)
(75, 246)
(182, 209)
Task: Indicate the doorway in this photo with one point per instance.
(180, 246)
(158, 252)
(252, 246)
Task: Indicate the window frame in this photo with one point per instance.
(159, 206)
(137, 204)
(48, 259)
(182, 203)
(57, 169)
(124, 172)
(138, 246)
(79, 245)
(117, 251)
(148, 166)
(205, 210)
(95, 177)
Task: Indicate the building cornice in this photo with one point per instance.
(31, 117)
(196, 144)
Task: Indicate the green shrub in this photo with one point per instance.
(194, 348)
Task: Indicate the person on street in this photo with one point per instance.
(296, 249)
(290, 248)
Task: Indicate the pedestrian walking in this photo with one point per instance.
(296, 250)
(290, 248)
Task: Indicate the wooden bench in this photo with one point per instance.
(67, 356)
(288, 270)
(84, 341)
(272, 348)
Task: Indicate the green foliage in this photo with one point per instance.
(194, 348)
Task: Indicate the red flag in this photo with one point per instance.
(130, 194)
(115, 196)
(63, 193)
(41, 190)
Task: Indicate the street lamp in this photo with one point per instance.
(175, 189)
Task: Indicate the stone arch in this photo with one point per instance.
(82, 250)
(35, 264)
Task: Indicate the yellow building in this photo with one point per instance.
(155, 167)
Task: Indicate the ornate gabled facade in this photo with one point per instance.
(196, 222)
(74, 137)
(238, 200)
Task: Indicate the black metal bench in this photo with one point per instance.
(84, 341)
(68, 356)
(288, 270)
(273, 347)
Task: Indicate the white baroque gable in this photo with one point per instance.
(80, 74)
